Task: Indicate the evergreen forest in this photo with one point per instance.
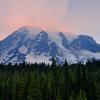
(50, 82)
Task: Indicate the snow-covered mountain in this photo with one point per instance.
(36, 45)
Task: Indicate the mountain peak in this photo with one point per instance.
(30, 30)
(85, 38)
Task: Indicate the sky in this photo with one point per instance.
(76, 16)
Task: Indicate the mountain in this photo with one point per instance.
(87, 43)
(32, 45)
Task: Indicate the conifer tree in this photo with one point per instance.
(55, 79)
(66, 85)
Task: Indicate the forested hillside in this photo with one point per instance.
(50, 82)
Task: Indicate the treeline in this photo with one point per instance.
(50, 82)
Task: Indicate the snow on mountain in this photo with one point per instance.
(23, 50)
(31, 30)
(32, 44)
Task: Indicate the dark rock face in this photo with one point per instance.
(86, 43)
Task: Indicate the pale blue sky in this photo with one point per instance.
(77, 16)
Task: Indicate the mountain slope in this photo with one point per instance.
(36, 45)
